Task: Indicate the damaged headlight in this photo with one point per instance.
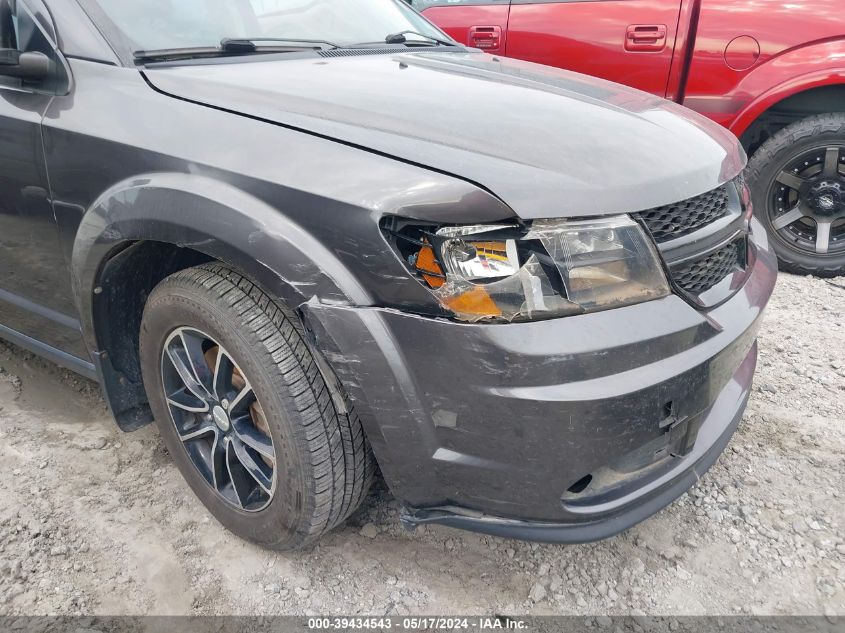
(551, 268)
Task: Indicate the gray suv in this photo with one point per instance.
(312, 237)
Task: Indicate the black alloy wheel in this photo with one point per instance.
(807, 201)
(797, 181)
(218, 418)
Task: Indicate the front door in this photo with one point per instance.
(36, 306)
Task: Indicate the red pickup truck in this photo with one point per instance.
(771, 71)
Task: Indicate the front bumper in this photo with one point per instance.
(567, 430)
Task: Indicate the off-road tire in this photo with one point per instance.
(324, 462)
(768, 161)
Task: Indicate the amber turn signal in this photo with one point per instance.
(474, 302)
(428, 267)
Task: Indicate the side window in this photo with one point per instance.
(8, 25)
(20, 31)
(30, 36)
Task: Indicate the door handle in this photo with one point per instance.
(645, 37)
(487, 38)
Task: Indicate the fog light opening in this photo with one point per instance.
(581, 485)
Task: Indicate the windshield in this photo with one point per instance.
(170, 24)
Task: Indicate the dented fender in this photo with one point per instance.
(218, 220)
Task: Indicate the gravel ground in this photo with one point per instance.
(96, 522)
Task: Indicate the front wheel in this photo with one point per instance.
(797, 181)
(245, 412)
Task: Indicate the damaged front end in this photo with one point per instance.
(546, 269)
(560, 386)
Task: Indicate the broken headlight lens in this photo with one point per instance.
(552, 268)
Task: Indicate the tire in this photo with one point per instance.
(317, 457)
(794, 244)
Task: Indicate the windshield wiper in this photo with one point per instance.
(232, 46)
(167, 54)
(399, 38)
(248, 44)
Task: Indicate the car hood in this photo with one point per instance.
(549, 143)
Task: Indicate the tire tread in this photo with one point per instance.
(332, 442)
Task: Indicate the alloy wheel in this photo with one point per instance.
(806, 201)
(219, 419)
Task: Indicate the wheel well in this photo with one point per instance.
(125, 282)
(799, 106)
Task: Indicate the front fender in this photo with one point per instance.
(213, 218)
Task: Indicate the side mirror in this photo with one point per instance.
(23, 65)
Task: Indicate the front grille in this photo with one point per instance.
(701, 274)
(682, 218)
